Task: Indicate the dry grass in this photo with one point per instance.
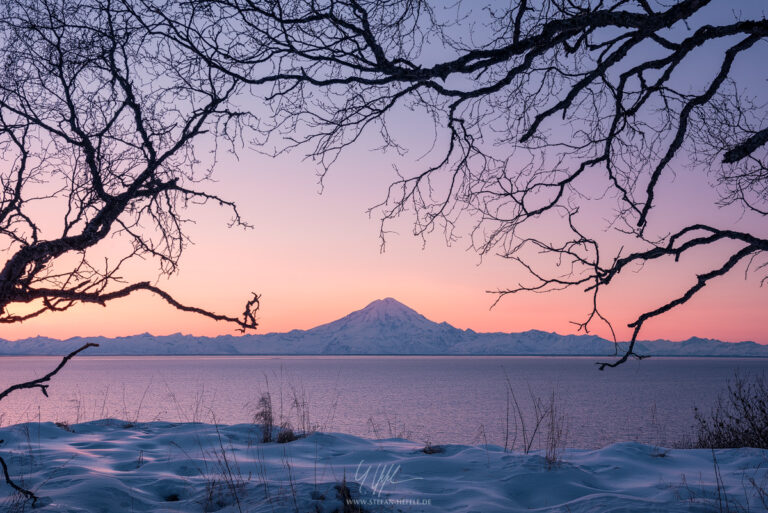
(739, 417)
(541, 424)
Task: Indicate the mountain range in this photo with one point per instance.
(385, 326)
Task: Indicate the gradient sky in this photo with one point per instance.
(315, 257)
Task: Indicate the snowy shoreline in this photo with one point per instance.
(112, 466)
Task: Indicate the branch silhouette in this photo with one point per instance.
(538, 110)
(42, 384)
(99, 121)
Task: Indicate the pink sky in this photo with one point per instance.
(315, 258)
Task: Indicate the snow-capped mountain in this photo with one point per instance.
(385, 326)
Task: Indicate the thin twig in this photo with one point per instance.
(38, 383)
(26, 493)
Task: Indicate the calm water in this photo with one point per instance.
(440, 399)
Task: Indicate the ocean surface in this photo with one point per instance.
(427, 399)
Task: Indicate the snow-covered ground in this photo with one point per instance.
(111, 466)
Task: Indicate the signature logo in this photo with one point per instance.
(378, 476)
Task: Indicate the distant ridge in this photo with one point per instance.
(385, 326)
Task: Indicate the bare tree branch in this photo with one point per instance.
(26, 493)
(40, 383)
(99, 117)
(540, 109)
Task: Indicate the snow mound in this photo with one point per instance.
(114, 466)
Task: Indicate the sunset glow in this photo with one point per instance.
(315, 257)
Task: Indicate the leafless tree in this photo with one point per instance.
(97, 122)
(540, 108)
